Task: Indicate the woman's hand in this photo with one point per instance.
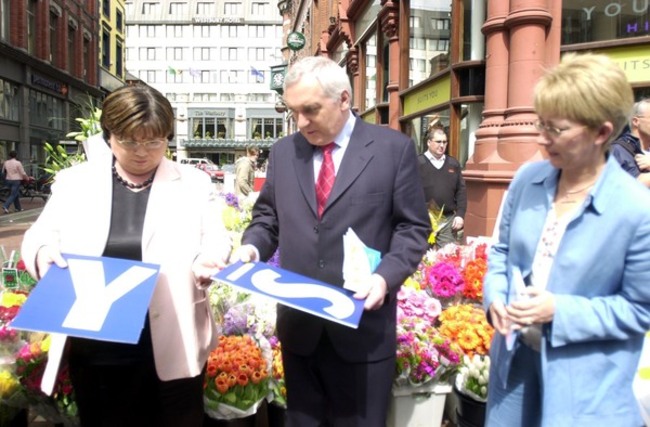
(45, 257)
(204, 267)
(499, 317)
(537, 307)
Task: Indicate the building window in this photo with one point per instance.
(148, 31)
(150, 8)
(256, 31)
(106, 49)
(85, 58)
(202, 31)
(232, 8)
(264, 128)
(31, 26)
(72, 33)
(429, 44)
(9, 101)
(46, 110)
(205, 9)
(174, 31)
(370, 51)
(178, 9)
(119, 65)
(602, 20)
(175, 53)
(119, 21)
(259, 9)
(54, 42)
(106, 8)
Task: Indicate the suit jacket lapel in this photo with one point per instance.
(356, 158)
(304, 167)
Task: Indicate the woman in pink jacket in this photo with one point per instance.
(133, 203)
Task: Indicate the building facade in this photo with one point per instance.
(48, 73)
(212, 60)
(469, 65)
(112, 31)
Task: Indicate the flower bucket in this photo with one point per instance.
(420, 406)
(469, 412)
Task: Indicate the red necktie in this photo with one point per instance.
(326, 178)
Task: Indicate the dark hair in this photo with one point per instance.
(137, 109)
(13, 154)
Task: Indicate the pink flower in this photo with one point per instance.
(445, 281)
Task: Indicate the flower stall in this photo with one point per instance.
(442, 302)
(23, 356)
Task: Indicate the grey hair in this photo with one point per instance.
(332, 78)
(638, 108)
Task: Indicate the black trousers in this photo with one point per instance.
(324, 390)
(132, 395)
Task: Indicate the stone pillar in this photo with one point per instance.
(389, 18)
(520, 42)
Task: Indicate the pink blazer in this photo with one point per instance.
(183, 219)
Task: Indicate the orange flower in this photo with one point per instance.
(467, 326)
(238, 372)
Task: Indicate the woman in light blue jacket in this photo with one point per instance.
(568, 283)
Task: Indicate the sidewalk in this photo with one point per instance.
(14, 224)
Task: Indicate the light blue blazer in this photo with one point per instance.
(601, 282)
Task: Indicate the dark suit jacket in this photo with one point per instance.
(377, 193)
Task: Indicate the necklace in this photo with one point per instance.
(565, 199)
(581, 189)
(131, 185)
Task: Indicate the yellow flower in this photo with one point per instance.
(8, 384)
(10, 299)
(412, 283)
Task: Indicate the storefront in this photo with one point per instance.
(470, 66)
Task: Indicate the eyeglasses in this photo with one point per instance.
(552, 131)
(439, 141)
(147, 145)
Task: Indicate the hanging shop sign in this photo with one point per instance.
(295, 41)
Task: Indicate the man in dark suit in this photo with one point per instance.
(336, 375)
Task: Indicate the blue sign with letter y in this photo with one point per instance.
(95, 297)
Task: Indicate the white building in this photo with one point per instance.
(212, 60)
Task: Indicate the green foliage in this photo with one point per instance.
(57, 158)
(89, 125)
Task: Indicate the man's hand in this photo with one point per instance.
(245, 253)
(45, 257)
(375, 294)
(643, 161)
(458, 223)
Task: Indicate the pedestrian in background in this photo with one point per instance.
(338, 173)
(629, 148)
(567, 283)
(444, 187)
(133, 203)
(14, 175)
(245, 171)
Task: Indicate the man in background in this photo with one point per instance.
(631, 146)
(245, 171)
(444, 187)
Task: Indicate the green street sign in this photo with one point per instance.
(295, 41)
